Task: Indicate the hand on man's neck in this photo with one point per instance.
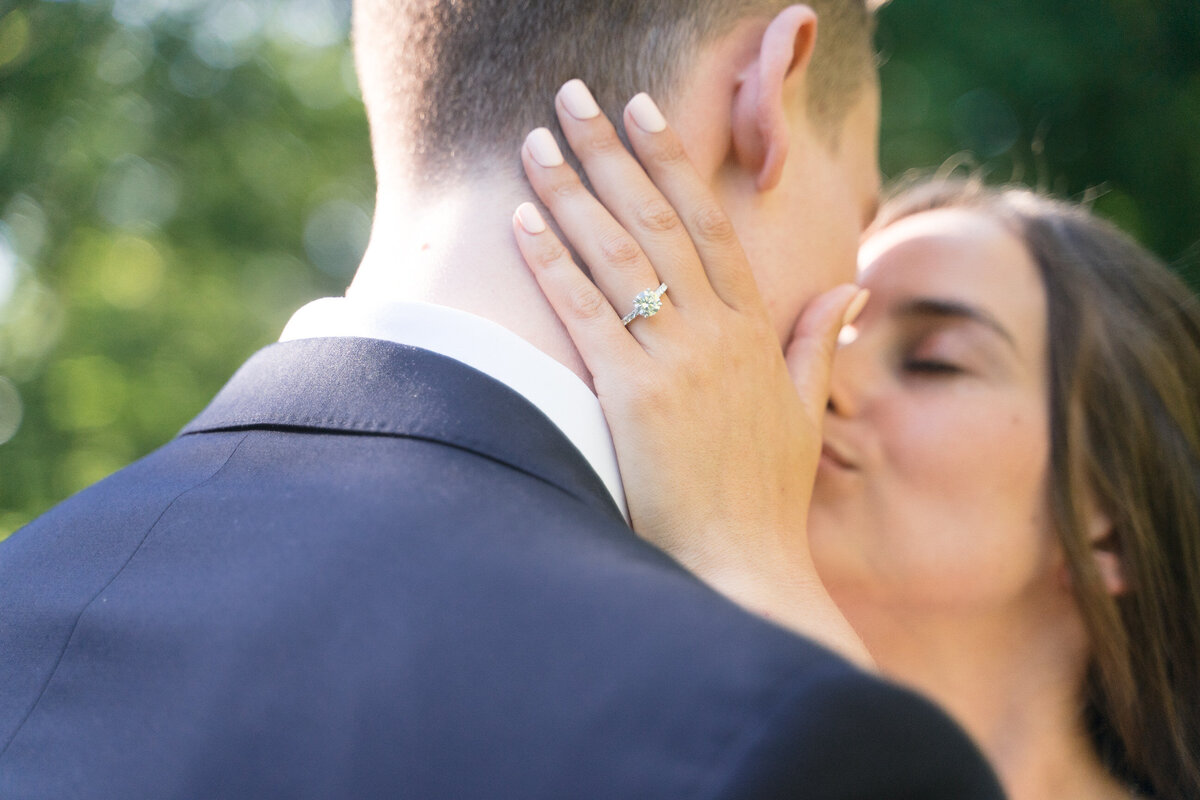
(457, 249)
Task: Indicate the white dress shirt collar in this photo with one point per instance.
(486, 346)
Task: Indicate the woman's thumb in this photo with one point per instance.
(814, 341)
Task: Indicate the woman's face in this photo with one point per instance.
(932, 489)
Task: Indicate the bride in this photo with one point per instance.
(998, 474)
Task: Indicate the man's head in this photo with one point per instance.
(784, 118)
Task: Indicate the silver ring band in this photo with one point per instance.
(646, 304)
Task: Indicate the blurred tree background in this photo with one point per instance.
(177, 176)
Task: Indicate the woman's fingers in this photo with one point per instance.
(640, 229)
(627, 192)
(712, 234)
(811, 352)
(589, 318)
(618, 264)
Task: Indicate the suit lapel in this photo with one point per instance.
(373, 387)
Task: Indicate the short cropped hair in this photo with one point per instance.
(451, 85)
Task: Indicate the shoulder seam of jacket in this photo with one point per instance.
(67, 645)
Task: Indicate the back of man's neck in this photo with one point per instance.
(457, 249)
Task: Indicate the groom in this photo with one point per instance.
(391, 558)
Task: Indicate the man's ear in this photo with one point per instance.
(761, 129)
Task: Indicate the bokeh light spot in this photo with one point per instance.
(84, 393)
(318, 80)
(315, 23)
(30, 327)
(11, 409)
(14, 38)
(227, 34)
(125, 57)
(131, 273)
(144, 12)
(335, 236)
(26, 221)
(134, 192)
(8, 268)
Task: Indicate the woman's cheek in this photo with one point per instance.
(965, 501)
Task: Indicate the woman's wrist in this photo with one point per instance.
(788, 592)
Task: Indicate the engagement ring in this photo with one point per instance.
(646, 304)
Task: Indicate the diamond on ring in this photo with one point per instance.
(646, 304)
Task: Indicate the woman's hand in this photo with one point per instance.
(717, 444)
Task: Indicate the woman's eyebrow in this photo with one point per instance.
(953, 309)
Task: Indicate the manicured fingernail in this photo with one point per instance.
(856, 306)
(578, 100)
(530, 218)
(544, 148)
(646, 115)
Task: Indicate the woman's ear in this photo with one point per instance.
(1107, 552)
(766, 89)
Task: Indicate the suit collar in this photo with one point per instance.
(484, 345)
(368, 386)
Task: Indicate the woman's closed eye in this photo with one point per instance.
(941, 339)
(931, 367)
(939, 353)
(944, 348)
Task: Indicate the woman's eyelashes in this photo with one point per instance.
(930, 367)
(937, 353)
(935, 338)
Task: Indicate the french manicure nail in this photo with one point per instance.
(530, 218)
(544, 148)
(856, 306)
(646, 115)
(578, 100)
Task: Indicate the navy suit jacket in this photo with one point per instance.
(370, 571)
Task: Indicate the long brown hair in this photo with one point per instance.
(1124, 369)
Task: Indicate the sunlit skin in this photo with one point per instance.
(930, 524)
(831, 188)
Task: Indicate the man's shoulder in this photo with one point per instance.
(481, 609)
(489, 626)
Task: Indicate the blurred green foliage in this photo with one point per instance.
(177, 176)
(1095, 100)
